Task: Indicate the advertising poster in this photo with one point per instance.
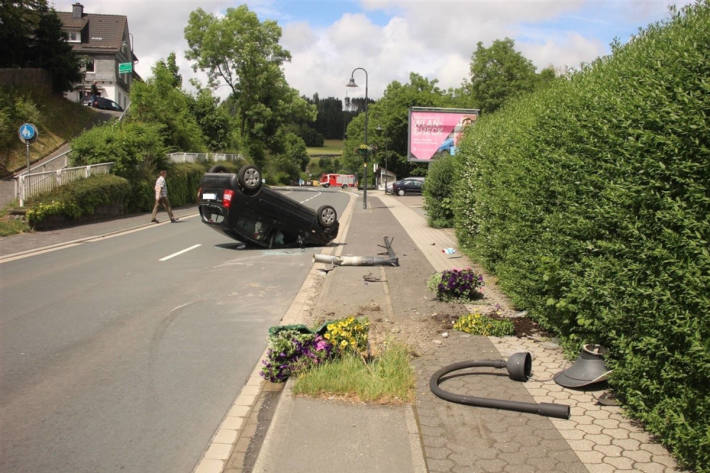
(436, 131)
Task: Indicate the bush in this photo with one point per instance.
(183, 181)
(80, 201)
(438, 190)
(589, 200)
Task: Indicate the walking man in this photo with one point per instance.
(161, 197)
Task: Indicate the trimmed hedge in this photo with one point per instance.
(438, 190)
(85, 200)
(107, 196)
(590, 200)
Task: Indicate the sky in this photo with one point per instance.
(329, 39)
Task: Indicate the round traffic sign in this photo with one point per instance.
(27, 132)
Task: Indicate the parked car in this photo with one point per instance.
(106, 104)
(409, 185)
(242, 207)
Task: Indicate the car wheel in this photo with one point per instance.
(249, 178)
(400, 192)
(345, 187)
(217, 168)
(327, 216)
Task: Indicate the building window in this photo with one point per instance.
(89, 64)
(75, 37)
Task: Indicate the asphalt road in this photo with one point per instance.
(123, 354)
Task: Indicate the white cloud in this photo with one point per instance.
(434, 38)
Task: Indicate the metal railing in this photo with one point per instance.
(199, 157)
(57, 162)
(29, 185)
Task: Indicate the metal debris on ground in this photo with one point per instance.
(390, 260)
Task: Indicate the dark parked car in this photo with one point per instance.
(242, 207)
(106, 104)
(409, 185)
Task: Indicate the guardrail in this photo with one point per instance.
(197, 157)
(28, 185)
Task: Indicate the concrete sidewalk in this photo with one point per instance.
(320, 435)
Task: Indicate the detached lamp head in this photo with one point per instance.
(587, 370)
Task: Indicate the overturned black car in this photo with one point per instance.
(242, 207)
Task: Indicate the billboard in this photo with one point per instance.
(436, 131)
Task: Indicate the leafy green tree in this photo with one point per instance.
(160, 100)
(19, 20)
(136, 149)
(214, 121)
(391, 114)
(31, 36)
(498, 73)
(50, 51)
(245, 53)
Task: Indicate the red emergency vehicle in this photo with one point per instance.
(338, 180)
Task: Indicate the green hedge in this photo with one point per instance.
(81, 201)
(100, 197)
(590, 200)
(438, 190)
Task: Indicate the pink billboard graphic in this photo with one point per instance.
(434, 132)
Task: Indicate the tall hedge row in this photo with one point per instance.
(590, 200)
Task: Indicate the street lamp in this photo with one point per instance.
(353, 84)
(380, 130)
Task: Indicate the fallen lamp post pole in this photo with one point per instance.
(390, 260)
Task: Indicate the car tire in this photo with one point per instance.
(249, 178)
(327, 216)
(218, 168)
(345, 187)
(401, 192)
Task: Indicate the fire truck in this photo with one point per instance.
(338, 180)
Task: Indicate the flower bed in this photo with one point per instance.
(295, 349)
(456, 285)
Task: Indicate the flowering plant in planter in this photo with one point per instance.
(348, 334)
(456, 284)
(291, 352)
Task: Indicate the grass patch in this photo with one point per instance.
(387, 378)
(9, 225)
(329, 147)
(60, 121)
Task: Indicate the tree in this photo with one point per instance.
(213, 119)
(499, 72)
(391, 114)
(160, 100)
(50, 51)
(31, 36)
(245, 54)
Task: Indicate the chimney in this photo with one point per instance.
(77, 10)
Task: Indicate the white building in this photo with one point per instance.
(102, 42)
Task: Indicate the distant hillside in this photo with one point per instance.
(59, 121)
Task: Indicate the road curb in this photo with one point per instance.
(232, 434)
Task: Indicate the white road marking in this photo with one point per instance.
(165, 258)
(310, 198)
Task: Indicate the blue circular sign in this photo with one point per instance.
(28, 132)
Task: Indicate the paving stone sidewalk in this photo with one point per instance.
(458, 438)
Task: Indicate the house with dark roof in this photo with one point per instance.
(102, 42)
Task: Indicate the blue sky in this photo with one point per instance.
(392, 38)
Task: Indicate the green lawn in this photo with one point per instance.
(329, 147)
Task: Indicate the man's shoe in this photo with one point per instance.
(155, 220)
(173, 220)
